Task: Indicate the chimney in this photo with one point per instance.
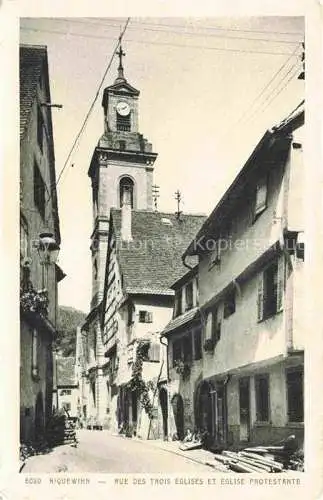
(126, 216)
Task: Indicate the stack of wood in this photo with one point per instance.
(264, 458)
(61, 430)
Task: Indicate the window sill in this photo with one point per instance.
(260, 423)
(296, 425)
(257, 215)
(270, 316)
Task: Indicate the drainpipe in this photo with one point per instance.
(166, 345)
(168, 395)
(225, 383)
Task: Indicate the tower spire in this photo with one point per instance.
(120, 53)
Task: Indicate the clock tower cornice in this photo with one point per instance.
(101, 157)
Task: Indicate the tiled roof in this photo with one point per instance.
(151, 262)
(65, 371)
(181, 320)
(31, 62)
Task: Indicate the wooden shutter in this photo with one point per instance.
(260, 300)
(280, 282)
(149, 317)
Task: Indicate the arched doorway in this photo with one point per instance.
(178, 410)
(39, 418)
(164, 408)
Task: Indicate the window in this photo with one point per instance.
(23, 240)
(187, 348)
(122, 145)
(39, 191)
(189, 296)
(35, 366)
(130, 314)
(66, 406)
(262, 398)
(216, 254)
(40, 128)
(178, 302)
(229, 304)
(95, 269)
(177, 350)
(66, 392)
(270, 289)
(123, 123)
(197, 336)
(216, 327)
(261, 197)
(154, 352)
(295, 402)
(126, 190)
(145, 317)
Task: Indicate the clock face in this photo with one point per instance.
(123, 108)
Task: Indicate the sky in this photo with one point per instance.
(209, 89)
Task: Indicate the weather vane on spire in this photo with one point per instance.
(120, 53)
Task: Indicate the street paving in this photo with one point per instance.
(102, 452)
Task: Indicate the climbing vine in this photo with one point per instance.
(137, 383)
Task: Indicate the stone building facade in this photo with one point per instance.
(38, 211)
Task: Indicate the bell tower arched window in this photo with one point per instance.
(126, 190)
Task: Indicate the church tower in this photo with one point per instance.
(121, 168)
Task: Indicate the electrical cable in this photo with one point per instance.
(91, 107)
(169, 44)
(185, 33)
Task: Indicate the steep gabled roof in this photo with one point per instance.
(65, 371)
(153, 260)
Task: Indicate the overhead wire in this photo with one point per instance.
(262, 92)
(216, 28)
(183, 33)
(283, 88)
(91, 106)
(150, 42)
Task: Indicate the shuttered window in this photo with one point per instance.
(154, 352)
(189, 296)
(261, 197)
(178, 303)
(229, 305)
(271, 289)
(177, 350)
(145, 317)
(197, 335)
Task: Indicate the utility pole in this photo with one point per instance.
(178, 198)
(155, 190)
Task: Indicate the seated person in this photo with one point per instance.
(188, 436)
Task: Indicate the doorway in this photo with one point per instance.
(39, 418)
(244, 398)
(178, 409)
(164, 408)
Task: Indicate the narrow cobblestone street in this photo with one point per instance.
(102, 452)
